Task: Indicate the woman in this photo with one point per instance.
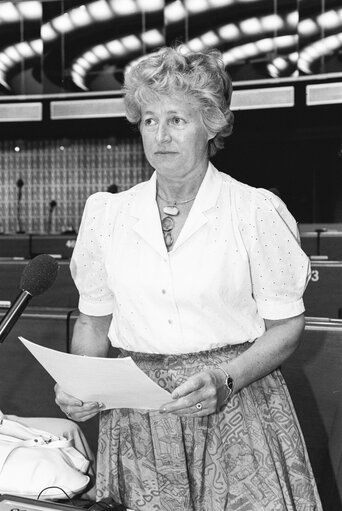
(200, 279)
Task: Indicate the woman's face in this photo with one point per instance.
(174, 137)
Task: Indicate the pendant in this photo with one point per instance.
(168, 223)
(171, 210)
(168, 239)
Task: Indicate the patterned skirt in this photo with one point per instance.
(250, 456)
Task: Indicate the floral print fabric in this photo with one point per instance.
(250, 456)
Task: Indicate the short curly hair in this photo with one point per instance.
(201, 76)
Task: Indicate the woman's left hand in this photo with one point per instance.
(202, 394)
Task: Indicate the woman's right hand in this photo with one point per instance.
(74, 408)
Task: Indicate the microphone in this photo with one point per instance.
(20, 184)
(39, 274)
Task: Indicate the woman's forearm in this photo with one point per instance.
(90, 336)
(268, 352)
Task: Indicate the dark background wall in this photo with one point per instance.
(297, 150)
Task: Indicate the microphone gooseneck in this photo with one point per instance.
(38, 276)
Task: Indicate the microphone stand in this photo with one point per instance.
(20, 184)
(52, 206)
(15, 310)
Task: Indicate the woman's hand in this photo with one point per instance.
(202, 394)
(74, 408)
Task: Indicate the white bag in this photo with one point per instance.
(37, 464)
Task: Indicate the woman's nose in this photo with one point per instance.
(163, 133)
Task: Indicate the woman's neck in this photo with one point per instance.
(180, 188)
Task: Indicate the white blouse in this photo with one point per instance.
(236, 261)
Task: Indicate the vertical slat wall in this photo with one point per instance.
(66, 172)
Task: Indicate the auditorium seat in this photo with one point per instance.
(323, 295)
(63, 293)
(327, 244)
(27, 246)
(15, 245)
(54, 244)
(313, 374)
(302, 227)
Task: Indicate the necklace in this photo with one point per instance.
(172, 209)
(168, 222)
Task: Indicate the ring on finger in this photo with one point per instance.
(199, 406)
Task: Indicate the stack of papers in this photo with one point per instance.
(115, 382)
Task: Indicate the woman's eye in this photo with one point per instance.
(149, 122)
(177, 121)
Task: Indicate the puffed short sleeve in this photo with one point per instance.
(87, 264)
(280, 270)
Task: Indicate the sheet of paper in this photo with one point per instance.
(116, 382)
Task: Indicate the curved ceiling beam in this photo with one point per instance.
(128, 46)
(315, 51)
(97, 11)
(14, 55)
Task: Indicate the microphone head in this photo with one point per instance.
(20, 183)
(39, 274)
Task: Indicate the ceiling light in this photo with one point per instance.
(101, 52)
(292, 18)
(280, 63)
(329, 20)
(194, 6)
(116, 47)
(250, 26)
(131, 43)
(30, 9)
(83, 62)
(5, 59)
(265, 45)
(80, 17)
(90, 57)
(63, 23)
(37, 46)
(153, 37)
(79, 69)
(124, 7)
(249, 50)
(307, 27)
(229, 32)
(150, 5)
(195, 44)
(272, 22)
(286, 41)
(48, 33)
(8, 12)
(210, 39)
(25, 50)
(237, 53)
(174, 12)
(99, 10)
(273, 70)
(12, 53)
(220, 3)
